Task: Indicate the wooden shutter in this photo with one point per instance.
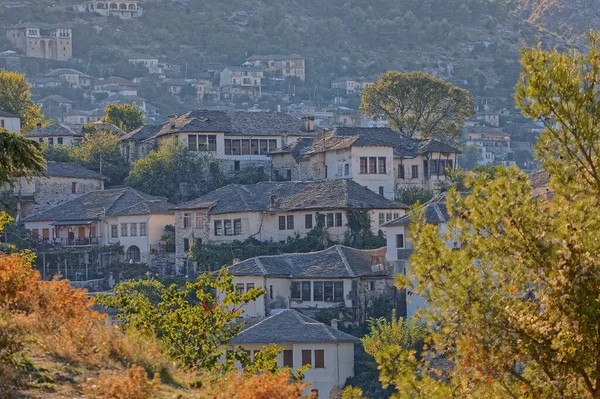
(319, 359)
(306, 357)
(288, 358)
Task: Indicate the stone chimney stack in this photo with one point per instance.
(309, 123)
(334, 324)
(172, 118)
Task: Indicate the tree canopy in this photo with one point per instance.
(418, 104)
(15, 97)
(126, 116)
(18, 156)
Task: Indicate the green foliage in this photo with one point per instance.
(18, 156)
(411, 195)
(406, 333)
(352, 393)
(15, 97)
(418, 104)
(359, 234)
(99, 151)
(193, 332)
(488, 170)
(469, 157)
(59, 153)
(127, 117)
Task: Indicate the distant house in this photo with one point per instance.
(176, 86)
(275, 211)
(77, 116)
(136, 144)
(56, 133)
(493, 143)
(149, 62)
(140, 102)
(121, 216)
(72, 77)
(55, 104)
(240, 81)
(10, 121)
(100, 84)
(291, 65)
(304, 341)
(341, 278)
(121, 9)
(377, 158)
(540, 182)
(43, 81)
(41, 40)
(350, 86)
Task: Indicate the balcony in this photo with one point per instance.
(78, 242)
(163, 248)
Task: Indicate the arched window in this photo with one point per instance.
(132, 7)
(123, 6)
(113, 6)
(133, 253)
(100, 6)
(91, 6)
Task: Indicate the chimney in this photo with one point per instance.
(309, 123)
(39, 125)
(235, 261)
(334, 324)
(172, 118)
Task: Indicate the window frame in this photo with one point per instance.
(218, 228)
(318, 293)
(133, 229)
(381, 166)
(414, 172)
(237, 227)
(124, 229)
(296, 291)
(227, 227)
(402, 241)
(290, 222)
(114, 231)
(364, 162)
(372, 165)
(308, 221)
(306, 291)
(306, 357)
(319, 359)
(282, 223)
(338, 219)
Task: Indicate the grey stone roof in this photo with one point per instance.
(335, 262)
(64, 169)
(142, 133)
(114, 202)
(55, 129)
(288, 327)
(299, 148)
(238, 123)
(62, 71)
(41, 25)
(289, 196)
(57, 98)
(539, 178)
(7, 114)
(432, 145)
(436, 212)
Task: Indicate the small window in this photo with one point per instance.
(74, 187)
(306, 290)
(338, 219)
(114, 231)
(199, 220)
(318, 291)
(399, 240)
(218, 228)
(271, 294)
(227, 227)
(228, 147)
(186, 245)
(143, 231)
(272, 145)
(338, 292)
(381, 166)
(296, 294)
(290, 222)
(263, 147)
(187, 220)
(59, 140)
(372, 165)
(240, 288)
(330, 220)
(328, 291)
(401, 171)
(319, 359)
(288, 358)
(314, 393)
(133, 229)
(249, 286)
(372, 285)
(123, 229)
(45, 234)
(237, 227)
(35, 233)
(363, 165)
(381, 191)
(50, 141)
(308, 221)
(381, 218)
(192, 142)
(306, 357)
(415, 172)
(281, 222)
(347, 169)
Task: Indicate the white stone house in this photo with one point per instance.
(10, 121)
(80, 117)
(304, 341)
(121, 216)
(377, 158)
(148, 61)
(72, 77)
(493, 143)
(244, 80)
(55, 134)
(340, 278)
(121, 9)
(275, 211)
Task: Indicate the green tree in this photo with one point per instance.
(18, 156)
(411, 195)
(194, 323)
(469, 157)
(518, 306)
(100, 152)
(418, 104)
(15, 97)
(127, 117)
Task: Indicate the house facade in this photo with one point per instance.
(286, 66)
(55, 134)
(341, 278)
(351, 86)
(377, 158)
(148, 61)
(40, 40)
(10, 121)
(493, 143)
(121, 9)
(242, 81)
(275, 211)
(304, 341)
(55, 104)
(80, 117)
(72, 77)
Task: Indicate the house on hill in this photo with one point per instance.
(242, 81)
(121, 9)
(41, 40)
(344, 279)
(10, 121)
(493, 143)
(275, 211)
(284, 65)
(56, 133)
(304, 341)
(55, 104)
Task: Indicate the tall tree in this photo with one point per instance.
(126, 116)
(18, 156)
(518, 304)
(15, 97)
(418, 104)
(100, 152)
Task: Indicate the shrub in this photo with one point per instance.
(114, 385)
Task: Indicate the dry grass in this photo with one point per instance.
(113, 385)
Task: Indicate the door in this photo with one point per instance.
(81, 232)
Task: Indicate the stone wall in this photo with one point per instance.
(312, 168)
(382, 287)
(50, 192)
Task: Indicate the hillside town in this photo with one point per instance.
(176, 233)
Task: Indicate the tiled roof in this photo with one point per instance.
(335, 262)
(281, 57)
(432, 145)
(64, 169)
(489, 131)
(142, 133)
(41, 25)
(62, 71)
(539, 178)
(290, 326)
(57, 98)
(298, 148)
(239, 123)
(114, 202)
(55, 129)
(7, 114)
(290, 196)
(436, 212)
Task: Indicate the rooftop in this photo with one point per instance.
(142, 133)
(55, 129)
(436, 212)
(539, 178)
(64, 169)
(56, 98)
(290, 326)
(289, 196)
(7, 114)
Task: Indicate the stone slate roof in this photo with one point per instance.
(290, 196)
(436, 212)
(7, 114)
(57, 98)
(142, 133)
(64, 169)
(55, 129)
(432, 145)
(238, 123)
(335, 262)
(114, 202)
(62, 71)
(539, 178)
(41, 25)
(287, 327)
(488, 130)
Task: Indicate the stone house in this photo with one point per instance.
(377, 158)
(10, 121)
(55, 104)
(40, 40)
(121, 216)
(136, 144)
(148, 61)
(81, 117)
(304, 341)
(121, 9)
(102, 83)
(72, 77)
(238, 138)
(339, 278)
(286, 66)
(275, 211)
(493, 143)
(58, 183)
(351, 86)
(56, 133)
(239, 81)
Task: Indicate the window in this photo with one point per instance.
(281, 222)
(372, 165)
(328, 291)
(426, 169)
(218, 228)
(35, 233)
(296, 295)
(212, 143)
(372, 285)
(74, 187)
(314, 393)
(347, 169)
(318, 291)
(308, 221)
(381, 166)
(330, 220)
(227, 147)
(45, 234)
(363, 165)
(60, 141)
(186, 245)
(290, 222)
(114, 231)
(338, 219)
(199, 220)
(227, 227)
(381, 192)
(50, 141)
(338, 292)
(396, 216)
(123, 229)
(272, 145)
(263, 146)
(143, 229)
(306, 290)
(245, 147)
(236, 165)
(240, 288)
(319, 359)
(249, 286)
(399, 240)
(415, 172)
(192, 142)
(271, 292)
(306, 357)
(288, 358)
(237, 227)
(133, 253)
(235, 147)
(381, 218)
(133, 229)
(388, 217)
(254, 147)
(187, 220)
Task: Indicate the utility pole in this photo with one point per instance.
(101, 156)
